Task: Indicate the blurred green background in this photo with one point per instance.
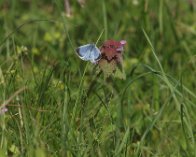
(58, 105)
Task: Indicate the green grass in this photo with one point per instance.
(59, 105)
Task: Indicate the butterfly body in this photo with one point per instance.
(89, 52)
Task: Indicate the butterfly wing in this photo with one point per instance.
(95, 54)
(89, 52)
(84, 51)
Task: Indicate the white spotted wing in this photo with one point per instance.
(89, 52)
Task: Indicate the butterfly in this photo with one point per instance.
(89, 52)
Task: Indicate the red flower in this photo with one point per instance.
(112, 50)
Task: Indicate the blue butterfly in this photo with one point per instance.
(89, 52)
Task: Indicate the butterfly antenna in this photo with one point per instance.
(99, 36)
